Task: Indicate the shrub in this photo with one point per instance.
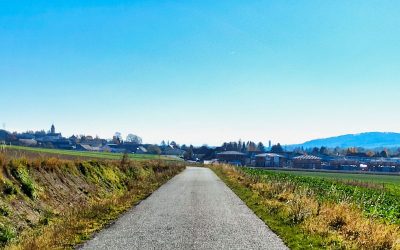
(300, 208)
(4, 210)
(2, 159)
(45, 218)
(274, 207)
(52, 163)
(9, 188)
(7, 234)
(27, 184)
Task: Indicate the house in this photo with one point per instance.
(49, 137)
(113, 148)
(271, 160)
(232, 157)
(384, 165)
(85, 147)
(307, 162)
(27, 136)
(27, 142)
(173, 151)
(63, 143)
(7, 137)
(126, 147)
(141, 150)
(210, 162)
(344, 163)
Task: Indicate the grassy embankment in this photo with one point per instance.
(50, 203)
(17, 151)
(317, 213)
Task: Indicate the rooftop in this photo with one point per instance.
(307, 157)
(231, 153)
(270, 155)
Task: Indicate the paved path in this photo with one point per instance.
(195, 210)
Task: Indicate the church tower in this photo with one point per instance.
(53, 129)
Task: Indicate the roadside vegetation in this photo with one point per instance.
(51, 203)
(318, 213)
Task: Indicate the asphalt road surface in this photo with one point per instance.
(194, 210)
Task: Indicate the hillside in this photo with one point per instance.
(365, 140)
(50, 203)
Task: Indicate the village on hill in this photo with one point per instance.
(234, 153)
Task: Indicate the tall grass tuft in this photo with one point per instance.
(20, 172)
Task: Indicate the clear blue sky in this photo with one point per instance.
(201, 71)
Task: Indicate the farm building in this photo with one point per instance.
(307, 162)
(271, 160)
(28, 142)
(384, 165)
(232, 157)
(84, 147)
(345, 164)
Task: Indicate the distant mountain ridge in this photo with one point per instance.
(368, 140)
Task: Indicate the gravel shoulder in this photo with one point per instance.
(194, 210)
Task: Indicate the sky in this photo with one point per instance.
(201, 72)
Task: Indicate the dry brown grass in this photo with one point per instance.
(77, 225)
(346, 222)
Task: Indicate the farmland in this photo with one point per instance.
(389, 183)
(18, 151)
(321, 210)
(386, 179)
(374, 202)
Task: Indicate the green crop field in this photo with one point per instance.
(388, 182)
(79, 154)
(386, 179)
(377, 200)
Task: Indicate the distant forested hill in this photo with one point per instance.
(365, 140)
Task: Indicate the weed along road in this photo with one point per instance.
(195, 210)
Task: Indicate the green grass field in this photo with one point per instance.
(84, 154)
(387, 179)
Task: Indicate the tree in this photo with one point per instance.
(188, 155)
(117, 138)
(323, 150)
(277, 149)
(260, 147)
(336, 151)
(251, 147)
(118, 135)
(352, 151)
(370, 153)
(133, 139)
(384, 153)
(315, 151)
(243, 149)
